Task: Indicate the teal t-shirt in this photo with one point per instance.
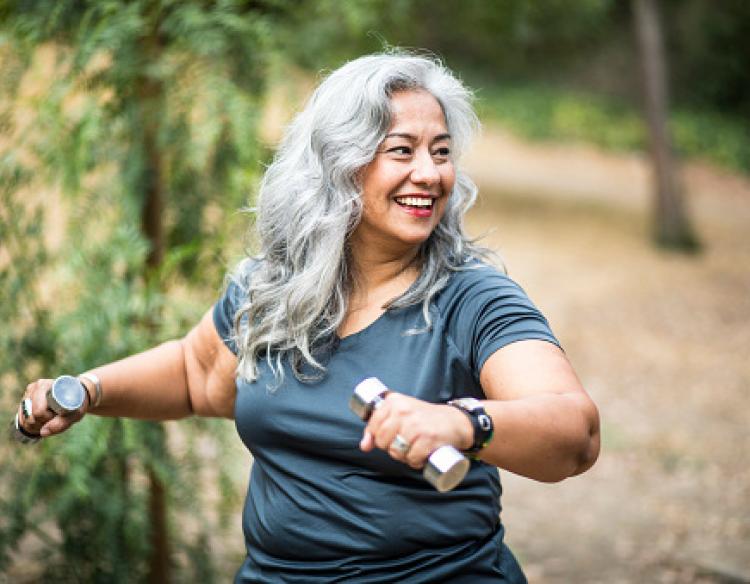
(318, 509)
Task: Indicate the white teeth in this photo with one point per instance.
(415, 201)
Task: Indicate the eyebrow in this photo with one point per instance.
(412, 137)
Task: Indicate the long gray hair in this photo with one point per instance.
(309, 203)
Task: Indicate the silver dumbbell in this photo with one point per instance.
(446, 467)
(66, 395)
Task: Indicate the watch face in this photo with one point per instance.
(68, 392)
(469, 403)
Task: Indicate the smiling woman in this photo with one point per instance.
(365, 271)
(406, 187)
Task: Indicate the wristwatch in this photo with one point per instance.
(480, 421)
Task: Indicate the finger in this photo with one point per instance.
(59, 424)
(399, 447)
(393, 418)
(40, 413)
(25, 414)
(389, 426)
(380, 426)
(386, 433)
(367, 443)
(378, 414)
(418, 454)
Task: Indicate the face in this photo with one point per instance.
(407, 185)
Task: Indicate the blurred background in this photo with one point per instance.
(614, 174)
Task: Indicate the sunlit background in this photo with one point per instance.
(134, 133)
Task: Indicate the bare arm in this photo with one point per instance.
(546, 426)
(193, 375)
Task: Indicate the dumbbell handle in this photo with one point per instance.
(446, 467)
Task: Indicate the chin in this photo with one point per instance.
(415, 239)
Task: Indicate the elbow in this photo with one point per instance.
(588, 456)
(589, 446)
(582, 451)
(578, 460)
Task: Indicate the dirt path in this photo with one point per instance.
(662, 343)
(500, 162)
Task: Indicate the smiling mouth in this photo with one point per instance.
(415, 202)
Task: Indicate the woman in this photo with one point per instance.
(364, 271)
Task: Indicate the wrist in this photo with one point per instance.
(482, 427)
(465, 429)
(93, 388)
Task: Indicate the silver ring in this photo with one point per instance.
(21, 435)
(400, 444)
(26, 408)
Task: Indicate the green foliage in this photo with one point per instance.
(107, 101)
(540, 112)
(721, 138)
(509, 35)
(323, 32)
(22, 257)
(548, 113)
(505, 35)
(586, 45)
(91, 482)
(709, 49)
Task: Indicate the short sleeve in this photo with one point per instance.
(491, 311)
(224, 310)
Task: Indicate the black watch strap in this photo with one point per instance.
(480, 421)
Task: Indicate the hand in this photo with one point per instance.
(425, 426)
(43, 420)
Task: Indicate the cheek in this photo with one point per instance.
(373, 204)
(449, 181)
(376, 180)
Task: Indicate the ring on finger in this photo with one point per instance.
(26, 408)
(400, 444)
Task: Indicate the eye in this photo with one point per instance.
(442, 152)
(400, 150)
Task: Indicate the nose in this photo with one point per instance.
(424, 170)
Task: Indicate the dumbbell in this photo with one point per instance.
(66, 395)
(446, 467)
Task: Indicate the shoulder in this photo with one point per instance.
(477, 280)
(238, 282)
(234, 296)
(482, 310)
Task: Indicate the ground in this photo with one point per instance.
(660, 340)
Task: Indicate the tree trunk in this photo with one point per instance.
(153, 228)
(150, 94)
(159, 566)
(152, 224)
(671, 225)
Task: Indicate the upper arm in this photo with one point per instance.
(525, 368)
(210, 369)
(539, 371)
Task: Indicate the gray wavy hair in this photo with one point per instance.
(309, 203)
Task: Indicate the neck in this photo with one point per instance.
(373, 268)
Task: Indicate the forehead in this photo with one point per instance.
(416, 110)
